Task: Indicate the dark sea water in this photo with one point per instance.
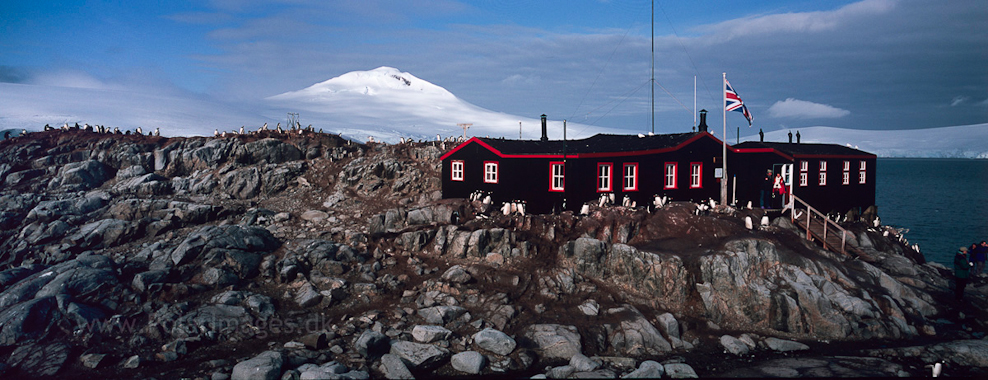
(942, 202)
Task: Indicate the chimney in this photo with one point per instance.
(703, 121)
(545, 134)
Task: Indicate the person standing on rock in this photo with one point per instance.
(979, 253)
(766, 193)
(962, 268)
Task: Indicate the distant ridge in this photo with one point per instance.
(965, 141)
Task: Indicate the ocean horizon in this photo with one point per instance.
(941, 203)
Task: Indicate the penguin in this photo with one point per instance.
(157, 132)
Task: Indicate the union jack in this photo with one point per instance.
(734, 102)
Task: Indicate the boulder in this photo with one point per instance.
(782, 345)
(648, 369)
(494, 341)
(680, 371)
(582, 363)
(733, 345)
(555, 341)
(635, 335)
(429, 334)
(394, 368)
(372, 344)
(469, 362)
(266, 366)
(420, 356)
(441, 315)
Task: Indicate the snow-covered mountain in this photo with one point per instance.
(388, 103)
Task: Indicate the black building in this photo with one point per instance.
(554, 175)
(562, 175)
(829, 177)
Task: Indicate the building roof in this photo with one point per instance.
(802, 149)
(599, 144)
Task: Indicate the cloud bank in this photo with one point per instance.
(801, 109)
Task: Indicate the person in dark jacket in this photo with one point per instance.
(766, 190)
(979, 253)
(962, 268)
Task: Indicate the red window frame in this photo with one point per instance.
(453, 171)
(823, 173)
(610, 177)
(552, 176)
(633, 177)
(487, 173)
(666, 175)
(696, 175)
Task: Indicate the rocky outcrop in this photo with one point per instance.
(270, 255)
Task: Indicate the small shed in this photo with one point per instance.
(830, 177)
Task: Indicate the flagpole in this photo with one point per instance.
(723, 178)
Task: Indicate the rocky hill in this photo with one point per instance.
(307, 256)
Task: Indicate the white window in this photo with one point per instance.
(670, 175)
(846, 174)
(490, 171)
(557, 181)
(456, 170)
(631, 176)
(604, 176)
(823, 173)
(696, 175)
(804, 173)
(862, 172)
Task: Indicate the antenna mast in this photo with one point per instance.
(652, 80)
(465, 126)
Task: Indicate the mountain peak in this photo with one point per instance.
(380, 81)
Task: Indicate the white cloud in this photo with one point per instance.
(798, 22)
(801, 109)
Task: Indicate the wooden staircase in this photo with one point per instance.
(821, 229)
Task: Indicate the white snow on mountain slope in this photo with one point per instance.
(388, 104)
(966, 141)
(27, 106)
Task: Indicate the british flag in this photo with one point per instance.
(734, 102)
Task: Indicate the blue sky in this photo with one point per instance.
(872, 64)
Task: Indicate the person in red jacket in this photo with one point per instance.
(779, 191)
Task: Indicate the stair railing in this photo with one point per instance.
(810, 212)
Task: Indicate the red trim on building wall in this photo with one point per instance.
(624, 169)
(700, 184)
(463, 170)
(497, 172)
(610, 177)
(675, 175)
(552, 165)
